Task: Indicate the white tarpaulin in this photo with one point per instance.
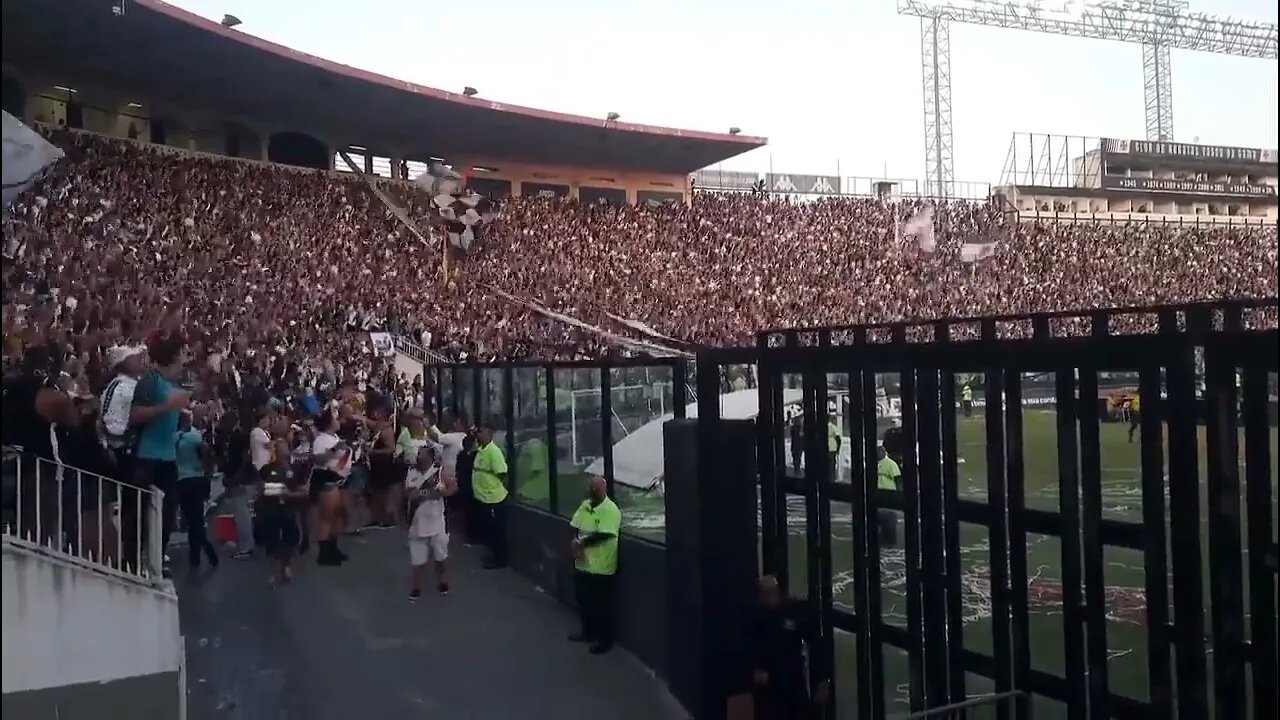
(638, 457)
(26, 155)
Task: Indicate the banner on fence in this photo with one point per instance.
(803, 184)
(1199, 187)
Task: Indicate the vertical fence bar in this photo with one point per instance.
(1095, 610)
(933, 579)
(993, 415)
(1184, 530)
(38, 507)
(911, 534)
(1151, 419)
(508, 411)
(826, 643)
(478, 396)
(553, 464)
(77, 542)
(772, 543)
(1262, 570)
(58, 540)
(606, 424)
(1015, 470)
(1069, 507)
(813, 389)
(1226, 572)
(104, 516)
(155, 551)
(952, 568)
(139, 524)
(874, 616)
(437, 392)
(862, 524)
(679, 388)
(779, 500)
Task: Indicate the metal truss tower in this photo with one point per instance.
(1158, 25)
(935, 53)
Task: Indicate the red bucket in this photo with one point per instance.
(224, 530)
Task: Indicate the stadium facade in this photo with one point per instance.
(229, 93)
(1068, 177)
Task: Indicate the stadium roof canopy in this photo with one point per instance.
(167, 53)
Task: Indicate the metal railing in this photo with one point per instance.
(962, 710)
(424, 355)
(81, 514)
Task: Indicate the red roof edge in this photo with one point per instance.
(190, 18)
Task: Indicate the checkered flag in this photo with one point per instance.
(462, 213)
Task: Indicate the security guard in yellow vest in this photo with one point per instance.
(596, 523)
(888, 477)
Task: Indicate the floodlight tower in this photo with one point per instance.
(1159, 25)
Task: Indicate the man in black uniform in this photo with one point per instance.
(779, 635)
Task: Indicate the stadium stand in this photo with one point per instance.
(263, 256)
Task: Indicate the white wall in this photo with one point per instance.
(67, 623)
(408, 366)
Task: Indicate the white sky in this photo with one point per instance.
(827, 81)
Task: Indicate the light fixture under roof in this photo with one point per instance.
(134, 105)
(230, 21)
(612, 117)
(65, 89)
(470, 91)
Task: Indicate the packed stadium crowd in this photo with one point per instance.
(247, 255)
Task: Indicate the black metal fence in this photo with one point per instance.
(1104, 557)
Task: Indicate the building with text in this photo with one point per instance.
(1161, 180)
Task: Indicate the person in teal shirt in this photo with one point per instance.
(195, 460)
(157, 456)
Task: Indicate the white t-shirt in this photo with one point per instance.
(259, 448)
(450, 448)
(413, 446)
(428, 518)
(325, 442)
(117, 404)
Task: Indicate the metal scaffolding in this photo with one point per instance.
(1158, 25)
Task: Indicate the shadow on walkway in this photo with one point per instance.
(346, 644)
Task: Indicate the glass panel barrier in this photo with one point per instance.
(529, 423)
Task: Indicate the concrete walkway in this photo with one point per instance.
(346, 644)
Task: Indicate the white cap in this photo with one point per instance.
(119, 353)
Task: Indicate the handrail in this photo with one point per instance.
(81, 514)
(422, 354)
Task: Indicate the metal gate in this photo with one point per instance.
(1090, 526)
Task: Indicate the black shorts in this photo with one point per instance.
(278, 526)
(385, 477)
(322, 480)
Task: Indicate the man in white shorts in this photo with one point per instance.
(426, 488)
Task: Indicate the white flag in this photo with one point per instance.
(920, 225)
(26, 155)
(975, 252)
